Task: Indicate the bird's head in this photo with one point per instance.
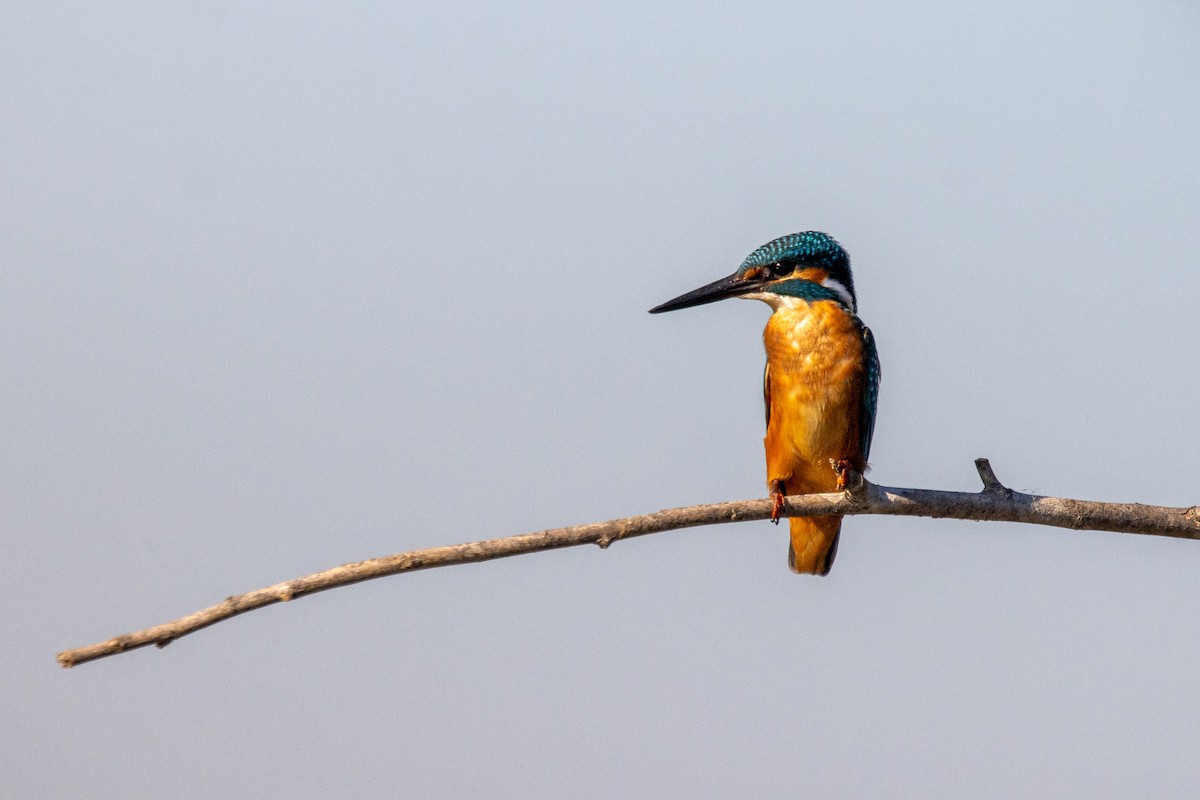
(799, 267)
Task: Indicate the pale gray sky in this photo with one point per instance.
(291, 285)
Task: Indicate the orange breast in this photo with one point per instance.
(814, 393)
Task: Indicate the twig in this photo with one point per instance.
(995, 502)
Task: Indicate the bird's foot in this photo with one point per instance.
(777, 495)
(844, 470)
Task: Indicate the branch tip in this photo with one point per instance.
(991, 484)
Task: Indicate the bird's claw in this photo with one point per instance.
(777, 495)
(843, 470)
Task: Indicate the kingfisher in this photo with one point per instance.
(821, 383)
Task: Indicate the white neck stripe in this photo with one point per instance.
(840, 289)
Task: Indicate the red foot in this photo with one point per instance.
(777, 502)
(842, 468)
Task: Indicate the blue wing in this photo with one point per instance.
(870, 400)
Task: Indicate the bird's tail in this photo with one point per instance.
(814, 544)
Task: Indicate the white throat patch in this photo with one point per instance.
(775, 301)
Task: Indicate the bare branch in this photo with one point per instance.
(996, 503)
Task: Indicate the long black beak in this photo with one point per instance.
(717, 290)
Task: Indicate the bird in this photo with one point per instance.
(821, 382)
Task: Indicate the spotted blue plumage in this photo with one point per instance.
(806, 249)
(807, 246)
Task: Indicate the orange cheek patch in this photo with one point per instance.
(812, 274)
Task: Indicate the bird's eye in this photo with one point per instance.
(780, 269)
